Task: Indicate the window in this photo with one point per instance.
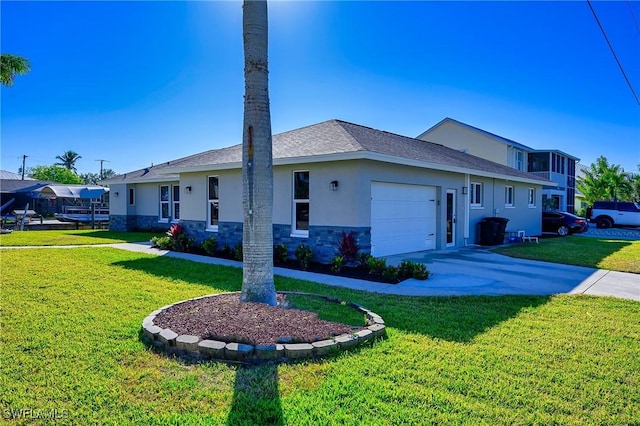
(518, 160)
(176, 202)
(131, 196)
(164, 202)
(476, 194)
(508, 196)
(301, 203)
(213, 212)
(531, 197)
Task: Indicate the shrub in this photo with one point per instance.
(227, 252)
(182, 243)
(348, 247)
(390, 273)
(175, 230)
(409, 269)
(163, 242)
(420, 271)
(304, 255)
(280, 254)
(376, 265)
(363, 260)
(337, 263)
(237, 252)
(210, 246)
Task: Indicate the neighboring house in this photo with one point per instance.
(397, 194)
(554, 165)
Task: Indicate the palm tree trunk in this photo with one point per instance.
(257, 162)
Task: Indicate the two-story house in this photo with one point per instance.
(551, 164)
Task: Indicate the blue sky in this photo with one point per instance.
(144, 82)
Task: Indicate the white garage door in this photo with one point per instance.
(403, 218)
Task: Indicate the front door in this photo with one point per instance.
(451, 217)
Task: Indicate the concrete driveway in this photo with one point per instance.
(477, 271)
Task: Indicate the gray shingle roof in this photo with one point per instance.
(334, 138)
(4, 174)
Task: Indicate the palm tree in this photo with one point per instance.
(10, 65)
(68, 160)
(604, 182)
(257, 162)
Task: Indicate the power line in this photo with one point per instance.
(633, 16)
(613, 52)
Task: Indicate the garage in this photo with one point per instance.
(403, 218)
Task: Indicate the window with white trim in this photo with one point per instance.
(531, 197)
(475, 190)
(518, 160)
(300, 225)
(176, 202)
(508, 196)
(132, 194)
(213, 203)
(164, 203)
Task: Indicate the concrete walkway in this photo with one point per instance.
(463, 272)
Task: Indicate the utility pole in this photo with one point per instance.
(102, 161)
(24, 157)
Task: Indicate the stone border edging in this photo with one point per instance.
(195, 348)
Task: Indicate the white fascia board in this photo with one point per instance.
(454, 169)
(204, 168)
(159, 179)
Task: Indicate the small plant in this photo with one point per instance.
(304, 255)
(237, 252)
(175, 230)
(182, 243)
(210, 246)
(363, 260)
(405, 269)
(337, 263)
(409, 269)
(163, 242)
(390, 273)
(227, 252)
(280, 254)
(420, 271)
(376, 265)
(348, 247)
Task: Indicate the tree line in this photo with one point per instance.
(64, 171)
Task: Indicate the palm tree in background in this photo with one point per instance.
(10, 65)
(604, 182)
(257, 162)
(68, 160)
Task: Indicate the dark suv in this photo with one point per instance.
(606, 214)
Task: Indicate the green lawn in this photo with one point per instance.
(72, 237)
(602, 253)
(69, 341)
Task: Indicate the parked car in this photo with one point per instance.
(606, 214)
(563, 223)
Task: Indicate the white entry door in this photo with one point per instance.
(403, 218)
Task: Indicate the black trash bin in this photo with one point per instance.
(488, 230)
(501, 227)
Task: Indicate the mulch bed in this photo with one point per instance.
(222, 317)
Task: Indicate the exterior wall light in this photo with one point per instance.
(187, 189)
(115, 194)
(334, 185)
(464, 190)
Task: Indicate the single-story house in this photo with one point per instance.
(397, 194)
